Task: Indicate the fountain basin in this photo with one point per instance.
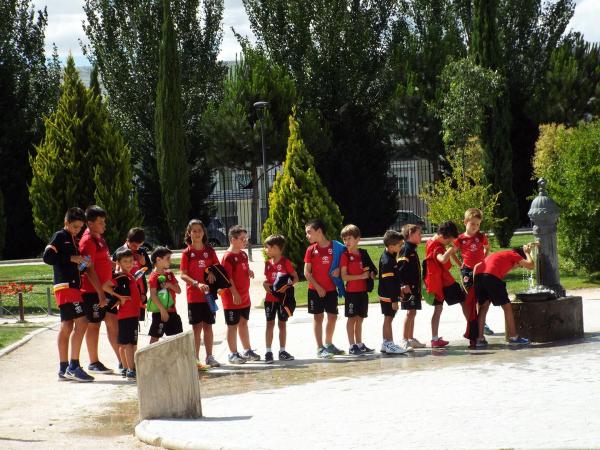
(536, 295)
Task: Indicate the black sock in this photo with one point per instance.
(74, 364)
(63, 366)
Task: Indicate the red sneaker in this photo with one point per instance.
(439, 343)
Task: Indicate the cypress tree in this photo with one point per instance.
(171, 152)
(496, 127)
(298, 196)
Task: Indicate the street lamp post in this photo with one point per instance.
(260, 111)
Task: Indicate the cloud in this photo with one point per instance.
(586, 19)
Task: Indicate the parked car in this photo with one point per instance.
(217, 234)
(404, 216)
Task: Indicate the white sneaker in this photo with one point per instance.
(395, 349)
(415, 343)
(405, 344)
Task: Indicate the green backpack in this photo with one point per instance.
(163, 295)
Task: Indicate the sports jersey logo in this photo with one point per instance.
(205, 255)
(325, 259)
(244, 266)
(202, 263)
(473, 247)
(235, 259)
(192, 255)
(352, 258)
(278, 266)
(476, 239)
(330, 251)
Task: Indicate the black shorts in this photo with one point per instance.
(232, 316)
(273, 309)
(386, 309)
(200, 312)
(91, 306)
(128, 331)
(453, 295)
(357, 304)
(490, 287)
(410, 302)
(170, 327)
(142, 316)
(71, 311)
(318, 305)
(111, 305)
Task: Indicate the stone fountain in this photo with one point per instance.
(544, 312)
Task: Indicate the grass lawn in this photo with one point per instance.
(13, 332)
(40, 276)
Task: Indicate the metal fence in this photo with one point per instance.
(233, 191)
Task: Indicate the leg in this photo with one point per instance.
(318, 328)
(81, 325)
(91, 341)
(129, 352)
(123, 356)
(483, 309)
(208, 338)
(387, 328)
(282, 333)
(509, 317)
(409, 322)
(269, 333)
(435, 320)
(350, 324)
(66, 327)
(244, 334)
(232, 338)
(112, 330)
(330, 328)
(197, 327)
(465, 309)
(358, 329)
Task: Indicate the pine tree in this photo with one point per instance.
(299, 196)
(171, 153)
(495, 131)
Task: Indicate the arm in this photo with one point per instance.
(346, 277)
(446, 256)
(189, 280)
(528, 263)
(93, 277)
(174, 287)
(164, 315)
(295, 277)
(108, 287)
(311, 280)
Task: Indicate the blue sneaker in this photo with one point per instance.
(78, 375)
(518, 341)
(355, 350)
(481, 343)
(131, 375)
(61, 375)
(98, 367)
(334, 350)
(487, 330)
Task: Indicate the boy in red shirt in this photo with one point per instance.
(473, 246)
(62, 254)
(194, 260)
(489, 287)
(125, 289)
(166, 321)
(438, 279)
(236, 299)
(277, 264)
(322, 293)
(357, 299)
(93, 245)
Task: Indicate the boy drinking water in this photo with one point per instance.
(276, 265)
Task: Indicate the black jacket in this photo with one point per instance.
(409, 267)
(58, 254)
(389, 285)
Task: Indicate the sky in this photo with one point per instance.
(65, 18)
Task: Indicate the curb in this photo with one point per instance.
(144, 434)
(23, 341)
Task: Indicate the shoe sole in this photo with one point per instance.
(269, 362)
(286, 359)
(102, 372)
(79, 380)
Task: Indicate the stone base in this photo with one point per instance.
(167, 379)
(549, 320)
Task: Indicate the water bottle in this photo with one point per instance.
(140, 273)
(212, 303)
(83, 265)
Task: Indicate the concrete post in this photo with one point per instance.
(167, 379)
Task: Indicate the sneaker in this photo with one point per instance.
(439, 342)
(236, 358)
(334, 350)
(98, 367)
(487, 330)
(365, 349)
(61, 375)
(285, 356)
(251, 355)
(124, 372)
(355, 350)
(131, 375)
(392, 349)
(78, 375)
(269, 358)
(324, 353)
(405, 345)
(414, 343)
(518, 341)
(212, 362)
(481, 343)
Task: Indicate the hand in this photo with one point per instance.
(527, 248)
(170, 286)
(395, 306)
(336, 273)
(211, 278)
(237, 299)
(267, 286)
(406, 289)
(320, 291)
(365, 275)
(77, 259)
(102, 300)
(250, 273)
(164, 316)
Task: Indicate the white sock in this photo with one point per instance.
(360, 344)
(268, 349)
(246, 350)
(282, 349)
(434, 338)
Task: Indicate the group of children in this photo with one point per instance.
(91, 286)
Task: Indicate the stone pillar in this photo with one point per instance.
(167, 379)
(544, 214)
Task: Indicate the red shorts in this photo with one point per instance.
(67, 295)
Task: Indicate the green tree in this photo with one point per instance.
(171, 151)
(495, 132)
(299, 196)
(29, 89)
(124, 43)
(232, 127)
